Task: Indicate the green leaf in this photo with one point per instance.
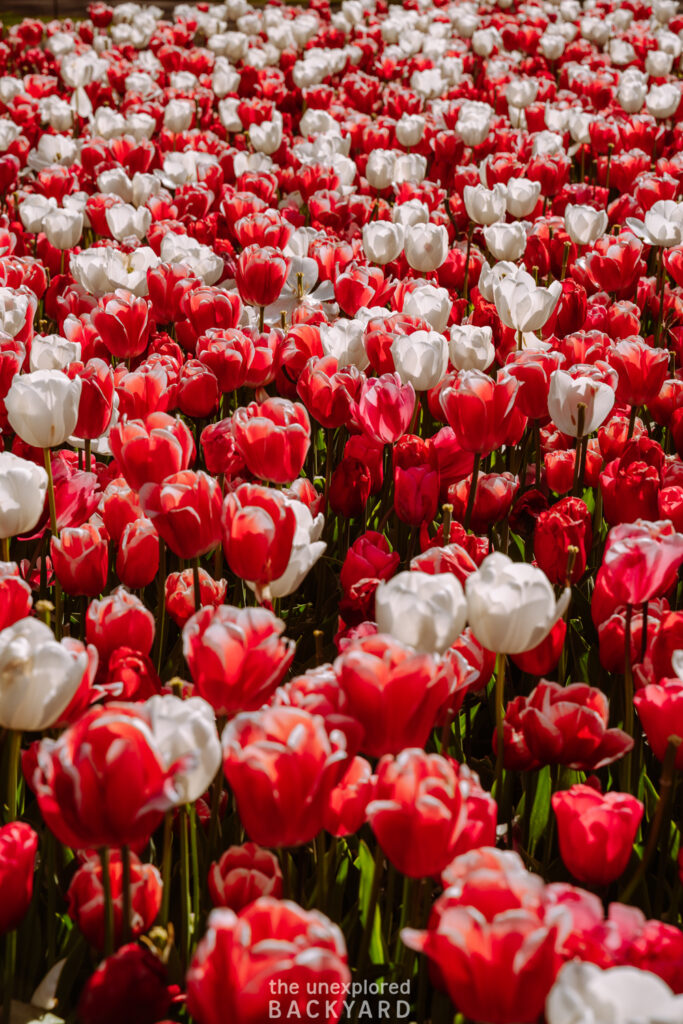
(540, 812)
(365, 862)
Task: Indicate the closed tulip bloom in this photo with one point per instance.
(561, 725)
(567, 393)
(511, 605)
(431, 304)
(471, 347)
(18, 846)
(273, 438)
(505, 241)
(522, 196)
(186, 511)
(660, 710)
(307, 548)
(42, 407)
(130, 984)
(63, 228)
(96, 405)
(260, 274)
(23, 486)
(479, 409)
(382, 241)
(584, 224)
(180, 596)
(265, 962)
(428, 612)
(16, 598)
(385, 407)
(483, 205)
(584, 993)
(137, 560)
(420, 358)
(596, 832)
(237, 656)
(426, 246)
(86, 900)
(642, 370)
(39, 676)
(258, 532)
(522, 304)
(242, 875)
(282, 765)
(80, 556)
(103, 782)
(392, 690)
(187, 739)
(149, 450)
(567, 524)
(119, 620)
(346, 808)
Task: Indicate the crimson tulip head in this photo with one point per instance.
(18, 846)
(640, 560)
(561, 725)
(103, 782)
(258, 532)
(130, 985)
(596, 832)
(237, 656)
(479, 409)
(80, 557)
(282, 764)
(265, 960)
(186, 511)
(119, 620)
(150, 450)
(384, 408)
(273, 438)
(378, 673)
(660, 710)
(260, 274)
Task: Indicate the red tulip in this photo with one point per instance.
(368, 556)
(18, 845)
(561, 725)
(137, 560)
(567, 524)
(131, 985)
(640, 561)
(86, 897)
(479, 409)
(236, 656)
(273, 438)
(596, 832)
(242, 875)
(282, 765)
(80, 557)
(180, 596)
(660, 709)
(258, 532)
(119, 620)
(393, 692)
(264, 963)
(122, 321)
(103, 782)
(186, 511)
(149, 451)
(346, 808)
(260, 274)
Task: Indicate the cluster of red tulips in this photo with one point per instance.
(341, 513)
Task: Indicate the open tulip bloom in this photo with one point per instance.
(341, 512)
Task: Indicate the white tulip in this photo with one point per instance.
(426, 246)
(567, 393)
(483, 205)
(662, 100)
(471, 347)
(382, 241)
(663, 224)
(63, 228)
(23, 486)
(427, 612)
(505, 241)
(52, 352)
(345, 340)
(584, 224)
(185, 731)
(522, 196)
(38, 676)
(522, 304)
(584, 993)
(432, 304)
(420, 358)
(511, 605)
(42, 407)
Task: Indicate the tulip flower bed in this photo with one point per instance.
(341, 514)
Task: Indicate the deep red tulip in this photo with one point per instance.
(660, 709)
(180, 596)
(567, 524)
(258, 532)
(119, 620)
(122, 321)
(479, 409)
(137, 560)
(273, 438)
(80, 557)
(596, 832)
(369, 556)
(186, 511)
(18, 846)
(260, 274)
(97, 397)
(149, 451)
(131, 985)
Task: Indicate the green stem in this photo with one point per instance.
(500, 715)
(194, 854)
(125, 893)
(108, 903)
(5, 549)
(661, 812)
(195, 580)
(14, 739)
(186, 897)
(472, 491)
(166, 868)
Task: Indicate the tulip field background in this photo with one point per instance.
(341, 513)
